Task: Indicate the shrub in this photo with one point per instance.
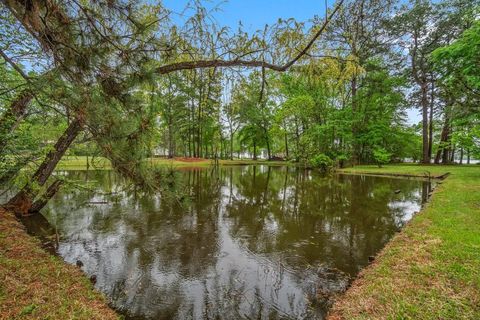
(341, 159)
(322, 162)
(381, 156)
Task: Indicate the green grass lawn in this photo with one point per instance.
(431, 270)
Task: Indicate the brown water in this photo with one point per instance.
(252, 242)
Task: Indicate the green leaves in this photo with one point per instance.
(322, 162)
(460, 61)
(381, 156)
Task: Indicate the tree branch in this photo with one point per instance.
(200, 64)
(14, 66)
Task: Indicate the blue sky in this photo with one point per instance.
(254, 14)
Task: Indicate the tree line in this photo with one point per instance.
(348, 100)
(122, 80)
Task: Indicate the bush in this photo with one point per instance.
(322, 162)
(341, 159)
(381, 156)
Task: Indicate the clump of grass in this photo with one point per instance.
(37, 285)
(431, 270)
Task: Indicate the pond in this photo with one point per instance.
(249, 242)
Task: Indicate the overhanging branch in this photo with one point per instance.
(200, 64)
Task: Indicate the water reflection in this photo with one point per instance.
(253, 242)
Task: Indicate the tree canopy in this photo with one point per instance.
(123, 80)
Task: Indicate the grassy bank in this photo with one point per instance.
(431, 270)
(36, 285)
(80, 162)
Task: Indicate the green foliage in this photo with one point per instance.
(458, 67)
(381, 156)
(322, 162)
(346, 100)
(459, 61)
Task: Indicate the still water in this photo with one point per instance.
(250, 242)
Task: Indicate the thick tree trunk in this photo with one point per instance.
(254, 150)
(171, 142)
(452, 154)
(425, 129)
(356, 147)
(286, 145)
(297, 142)
(269, 152)
(445, 136)
(446, 143)
(430, 121)
(13, 116)
(43, 200)
(419, 74)
(446, 155)
(430, 131)
(190, 153)
(21, 203)
(231, 146)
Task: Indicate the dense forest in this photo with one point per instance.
(125, 81)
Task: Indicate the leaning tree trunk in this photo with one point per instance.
(44, 198)
(13, 116)
(21, 203)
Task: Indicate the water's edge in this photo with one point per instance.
(39, 227)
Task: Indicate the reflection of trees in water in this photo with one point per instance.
(137, 241)
(340, 220)
(247, 242)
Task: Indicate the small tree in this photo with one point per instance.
(381, 156)
(322, 162)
